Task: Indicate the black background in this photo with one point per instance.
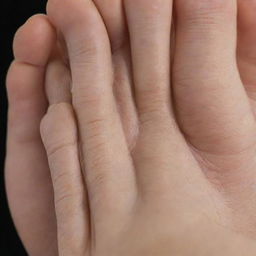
(13, 13)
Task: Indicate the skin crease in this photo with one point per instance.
(225, 198)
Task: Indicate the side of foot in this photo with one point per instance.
(28, 182)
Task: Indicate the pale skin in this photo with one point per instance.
(167, 162)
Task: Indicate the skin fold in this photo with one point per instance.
(139, 150)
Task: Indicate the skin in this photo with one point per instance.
(212, 143)
(31, 195)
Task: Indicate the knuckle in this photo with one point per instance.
(153, 89)
(94, 133)
(149, 115)
(67, 189)
(62, 197)
(17, 89)
(91, 98)
(96, 127)
(84, 54)
(98, 180)
(99, 186)
(97, 153)
(55, 143)
(65, 201)
(61, 182)
(58, 147)
(155, 96)
(58, 129)
(153, 106)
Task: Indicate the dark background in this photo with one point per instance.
(13, 14)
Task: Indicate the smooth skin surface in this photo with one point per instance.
(209, 105)
(28, 181)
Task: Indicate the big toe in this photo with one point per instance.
(246, 45)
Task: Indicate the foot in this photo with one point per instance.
(116, 28)
(204, 134)
(50, 75)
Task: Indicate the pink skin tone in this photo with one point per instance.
(210, 142)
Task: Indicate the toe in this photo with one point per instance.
(37, 33)
(115, 21)
(246, 53)
(30, 64)
(149, 24)
(94, 104)
(212, 106)
(59, 134)
(58, 82)
(30, 199)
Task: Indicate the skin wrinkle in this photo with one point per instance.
(144, 194)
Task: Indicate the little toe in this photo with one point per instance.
(58, 82)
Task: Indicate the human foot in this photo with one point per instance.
(55, 77)
(116, 40)
(167, 170)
